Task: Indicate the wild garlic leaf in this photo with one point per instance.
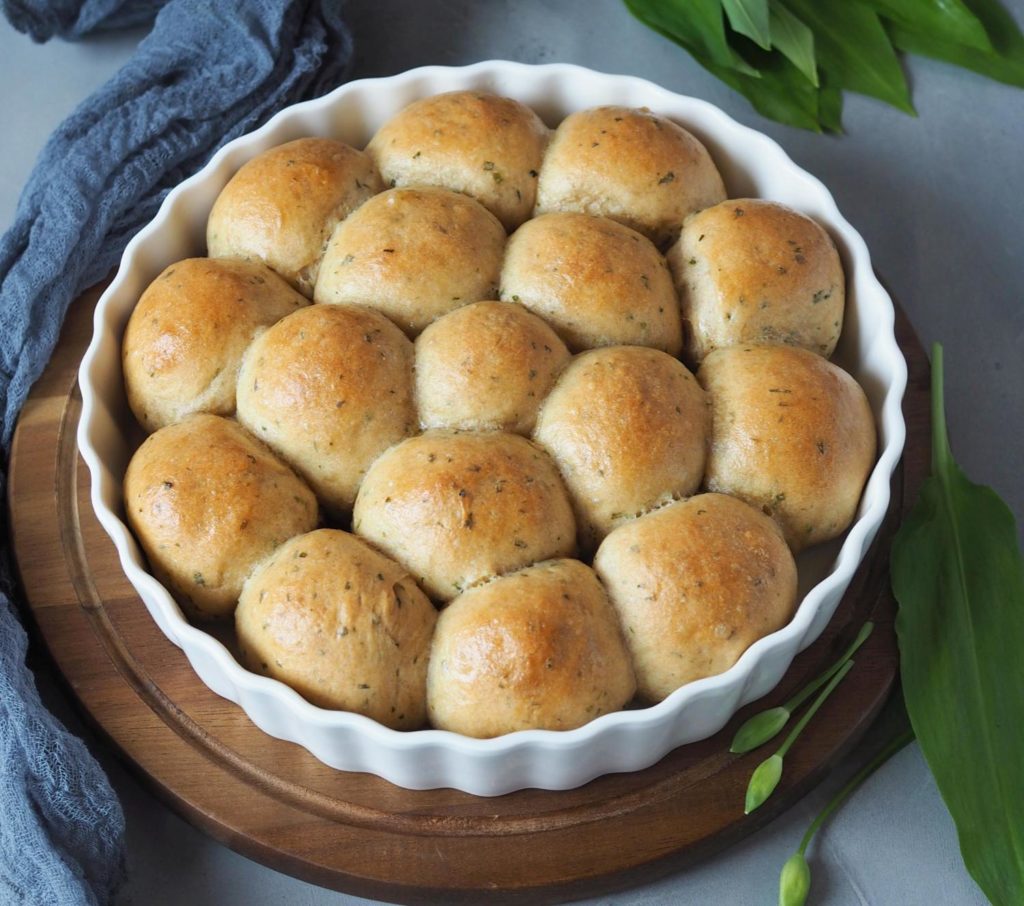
(793, 39)
(958, 576)
(942, 20)
(852, 45)
(830, 104)
(750, 18)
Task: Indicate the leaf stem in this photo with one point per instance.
(797, 700)
(818, 702)
(941, 453)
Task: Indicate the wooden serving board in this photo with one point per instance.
(272, 801)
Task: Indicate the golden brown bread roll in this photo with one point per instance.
(754, 272)
(628, 164)
(791, 434)
(282, 206)
(487, 366)
(695, 584)
(456, 509)
(486, 146)
(414, 254)
(540, 649)
(186, 336)
(597, 282)
(341, 624)
(329, 388)
(208, 502)
(627, 427)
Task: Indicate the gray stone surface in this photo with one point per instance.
(938, 199)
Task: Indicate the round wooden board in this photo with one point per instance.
(275, 803)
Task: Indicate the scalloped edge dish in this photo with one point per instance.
(752, 165)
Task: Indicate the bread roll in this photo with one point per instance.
(208, 502)
(792, 434)
(186, 336)
(486, 146)
(638, 168)
(414, 254)
(754, 272)
(456, 509)
(341, 624)
(329, 388)
(282, 206)
(595, 281)
(487, 366)
(540, 649)
(627, 427)
(695, 584)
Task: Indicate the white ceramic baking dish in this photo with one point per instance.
(752, 165)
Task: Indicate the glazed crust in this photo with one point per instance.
(282, 206)
(187, 334)
(627, 427)
(628, 164)
(695, 584)
(792, 434)
(208, 502)
(456, 509)
(414, 255)
(539, 649)
(753, 272)
(597, 282)
(487, 366)
(344, 626)
(329, 388)
(485, 146)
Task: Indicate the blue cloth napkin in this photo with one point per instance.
(207, 72)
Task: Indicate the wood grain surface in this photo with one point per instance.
(274, 802)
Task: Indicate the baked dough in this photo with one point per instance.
(695, 584)
(539, 649)
(414, 255)
(282, 206)
(754, 272)
(792, 434)
(186, 336)
(329, 388)
(208, 502)
(456, 509)
(343, 625)
(597, 282)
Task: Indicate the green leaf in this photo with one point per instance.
(750, 18)
(852, 45)
(763, 781)
(959, 579)
(794, 881)
(942, 20)
(830, 104)
(1005, 64)
(759, 729)
(793, 39)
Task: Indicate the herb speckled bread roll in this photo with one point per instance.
(487, 366)
(486, 146)
(791, 434)
(329, 388)
(627, 427)
(756, 272)
(344, 626)
(456, 509)
(282, 206)
(597, 282)
(208, 502)
(695, 584)
(631, 165)
(414, 254)
(187, 334)
(539, 649)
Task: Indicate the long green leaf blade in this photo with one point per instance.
(941, 20)
(793, 39)
(853, 46)
(750, 18)
(958, 576)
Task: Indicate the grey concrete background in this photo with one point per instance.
(938, 199)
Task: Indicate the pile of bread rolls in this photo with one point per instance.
(490, 426)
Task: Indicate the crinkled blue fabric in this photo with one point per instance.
(207, 72)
